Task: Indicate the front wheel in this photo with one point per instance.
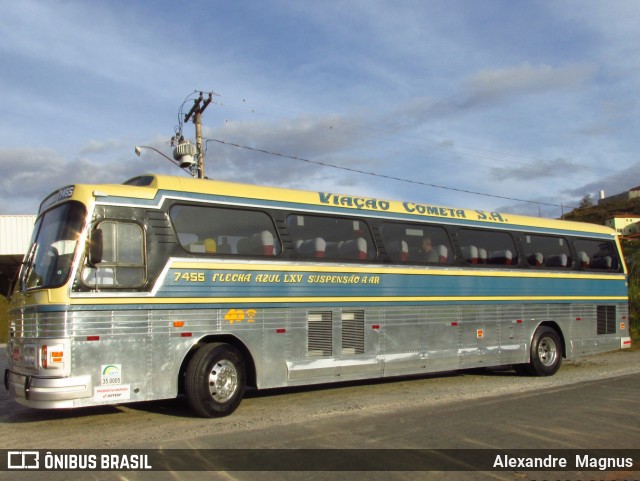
(546, 352)
(215, 380)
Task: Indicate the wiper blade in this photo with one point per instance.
(27, 266)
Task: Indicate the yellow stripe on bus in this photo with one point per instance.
(298, 300)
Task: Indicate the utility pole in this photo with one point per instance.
(199, 106)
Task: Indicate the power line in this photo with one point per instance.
(383, 176)
(455, 149)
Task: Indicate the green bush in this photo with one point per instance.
(631, 250)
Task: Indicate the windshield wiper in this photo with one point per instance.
(27, 267)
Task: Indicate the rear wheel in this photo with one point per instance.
(546, 352)
(215, 380)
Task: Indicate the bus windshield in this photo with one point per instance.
(54, 241)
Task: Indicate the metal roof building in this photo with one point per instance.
(15, 234)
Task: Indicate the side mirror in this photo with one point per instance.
(95, 248)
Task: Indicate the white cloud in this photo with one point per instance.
(104, 146)
(536, 170)
(29, 175)
(526, 79)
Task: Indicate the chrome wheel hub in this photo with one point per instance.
(223, 381)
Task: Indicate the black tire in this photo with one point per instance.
(546, 352)
(215, 380)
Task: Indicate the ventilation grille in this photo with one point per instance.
(606, 319)
(319, 334)
(353, 332)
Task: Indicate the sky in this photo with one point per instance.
(510, 106)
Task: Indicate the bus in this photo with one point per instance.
(167, 286)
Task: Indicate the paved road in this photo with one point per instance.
(589, 404)
(593, 414)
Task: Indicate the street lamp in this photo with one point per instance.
(184, 162)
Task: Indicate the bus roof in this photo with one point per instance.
(152, 186)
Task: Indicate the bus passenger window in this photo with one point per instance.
(319, 237)
(487, 247)
(212, 230)
(597, 254)
(547, 251)
(415, 243)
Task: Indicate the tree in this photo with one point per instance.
(586, 201)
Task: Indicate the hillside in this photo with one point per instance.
(596, 214)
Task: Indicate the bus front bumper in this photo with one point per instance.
(47, 393)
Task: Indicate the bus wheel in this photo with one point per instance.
(546, 352)
(215, 380)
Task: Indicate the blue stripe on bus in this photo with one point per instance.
(428, 288)
(219, 284)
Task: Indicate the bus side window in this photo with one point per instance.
(213, 230)
(545, 251)
(493, 248)
(323, 237)
(415, 243)
(123, 257)
(597, 254)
